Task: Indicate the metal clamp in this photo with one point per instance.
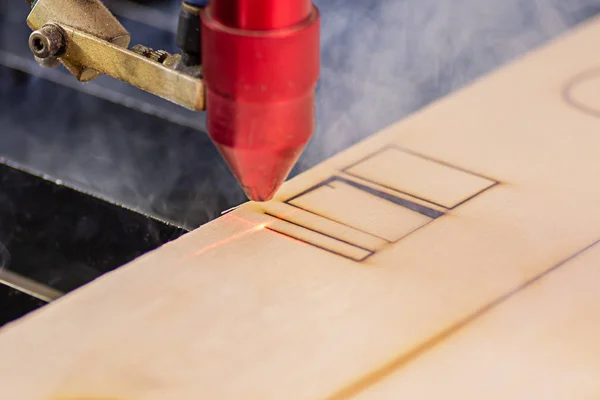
(88, 40)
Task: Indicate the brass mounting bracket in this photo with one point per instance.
(88, 40)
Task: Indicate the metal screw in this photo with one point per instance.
(47, 42)
(155, 55)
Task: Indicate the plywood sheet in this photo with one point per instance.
(539, 343)
(360, 267)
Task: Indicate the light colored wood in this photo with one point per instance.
(448, 186)
(541, 343)
(326, 226)
(237, 310)
(356, 208)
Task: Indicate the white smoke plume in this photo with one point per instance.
(384, 59)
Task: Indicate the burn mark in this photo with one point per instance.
(483, 184)
(370, 253)
(493, 182)
(337, 222)
(419, 155)
(319, 232)
(421, 209)
(428, 212)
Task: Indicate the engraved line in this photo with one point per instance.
(321, 247)
(398, 190)
(419, 208)
(452, 207)
(321, 233)
(310, 189)
(444, 163)
(570, 85)
(339, 222)
(414, 230)
(422, 156)
(399, 193)
(368, 157)
(474, 195)
(386, 370)
(493, 182)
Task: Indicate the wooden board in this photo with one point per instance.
(452, 254)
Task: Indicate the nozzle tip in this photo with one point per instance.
(258, 194)
(260, 172)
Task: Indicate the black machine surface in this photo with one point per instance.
(54, 239)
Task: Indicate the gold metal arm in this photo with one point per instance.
(88, 40)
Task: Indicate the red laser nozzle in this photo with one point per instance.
(261, 66)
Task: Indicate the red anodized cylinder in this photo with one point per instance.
(261, 66)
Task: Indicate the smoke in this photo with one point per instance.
(381, 60)
(384, 59)
(132, 157)
(4, 257)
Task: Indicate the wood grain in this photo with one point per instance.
(541, 343)
(237, 309)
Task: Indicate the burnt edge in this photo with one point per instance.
(371, 252)
(429, 212)
(418, 208)
(321, 233)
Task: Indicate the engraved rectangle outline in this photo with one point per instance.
(399, 201)
(493, 182)
(419, 208)
(358, 246)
